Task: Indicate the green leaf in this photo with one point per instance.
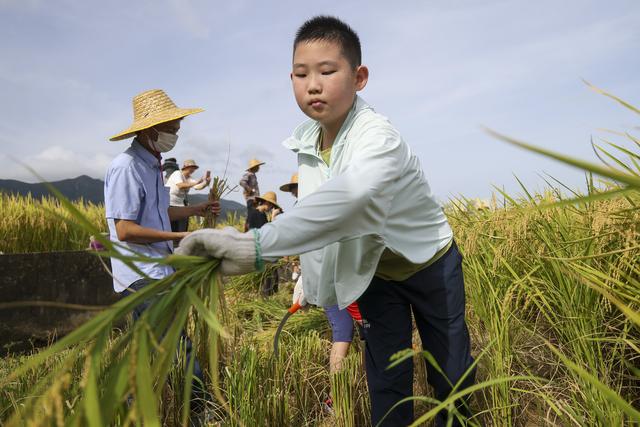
(625, 178)
(609, 394)
(145, 396)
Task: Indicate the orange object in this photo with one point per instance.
(354, 311)
(295, 307)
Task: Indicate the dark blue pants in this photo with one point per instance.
(197, 391)
(435, 296)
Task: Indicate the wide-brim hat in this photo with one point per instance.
(294, 181)
(253, 163)
(189, 164)
(151, 108)
(270, 197)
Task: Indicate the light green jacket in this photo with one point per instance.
(373, 195)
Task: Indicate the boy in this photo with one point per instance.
(366, 223)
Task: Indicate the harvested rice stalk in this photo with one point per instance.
(219, 189)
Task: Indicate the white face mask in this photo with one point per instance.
(165, 142)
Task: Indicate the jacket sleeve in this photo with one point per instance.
(352, 204)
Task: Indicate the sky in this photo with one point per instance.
(439, 70)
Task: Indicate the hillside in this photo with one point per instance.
(90, 190)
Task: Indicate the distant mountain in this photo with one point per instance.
(91, 190)
(87, 188)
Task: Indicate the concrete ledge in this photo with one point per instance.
(72, 277)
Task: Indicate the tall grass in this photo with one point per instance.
(527, 274)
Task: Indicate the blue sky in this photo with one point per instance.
(438, 69)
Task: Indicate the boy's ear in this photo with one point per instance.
(291, 76)
(362, 77)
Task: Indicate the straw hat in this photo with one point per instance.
(151, 108)
(270, 197)
(287, 186)
(189, 164)
(253, 163)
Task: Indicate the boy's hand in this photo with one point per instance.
(236, 250)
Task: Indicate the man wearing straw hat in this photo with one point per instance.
(136, 200)
(249, 181)
(169, 166)
(249, 184)
(291, 186)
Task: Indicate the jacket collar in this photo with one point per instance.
(305, 136)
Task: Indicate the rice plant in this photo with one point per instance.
(33, 225)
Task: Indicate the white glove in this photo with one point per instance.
(235, 250)
(298, 293)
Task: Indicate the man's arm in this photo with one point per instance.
(192, 183)
(130, 231)
(203, 182)
(201, 209)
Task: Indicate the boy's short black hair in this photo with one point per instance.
(331, 29)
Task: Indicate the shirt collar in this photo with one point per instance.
(305, 135)
(144, 154)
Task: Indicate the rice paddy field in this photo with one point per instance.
(553, 292)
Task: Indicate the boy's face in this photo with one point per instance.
(324, 82)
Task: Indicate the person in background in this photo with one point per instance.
(179, 183)
(249, 181)
(268, 204)
(169, 166)
(250, 189)
(291, 187)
